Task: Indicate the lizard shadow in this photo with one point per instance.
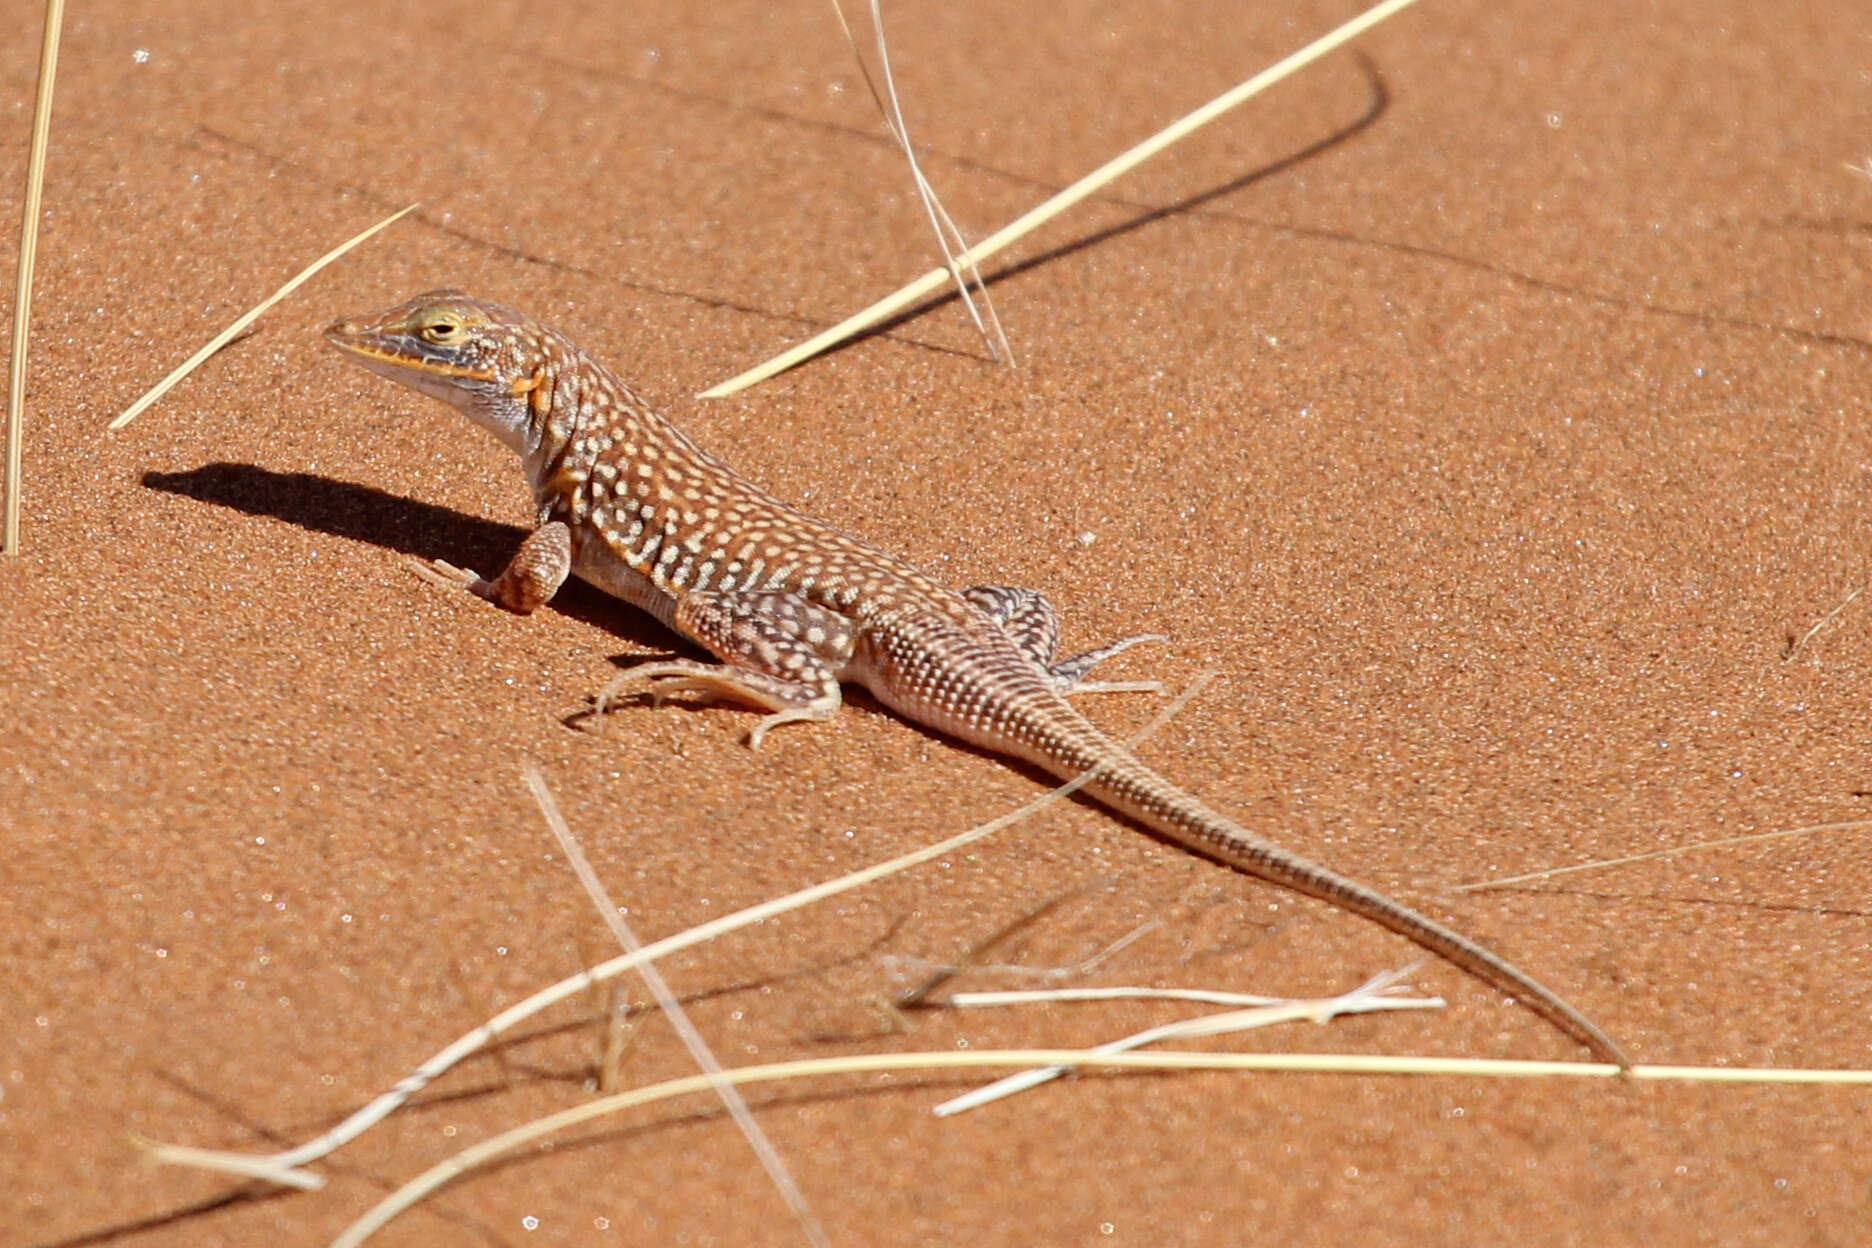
(408, 526)
(364, 513)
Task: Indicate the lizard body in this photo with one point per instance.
(793, 607)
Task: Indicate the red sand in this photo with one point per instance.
(1490, 412)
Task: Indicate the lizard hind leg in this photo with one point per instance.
(779, 652)
(1033, 624)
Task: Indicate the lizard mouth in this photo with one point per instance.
(395, 355)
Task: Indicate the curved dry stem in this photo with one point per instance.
(1084, 187)
(949, 239)
(1317, 1063)
(277, 1165)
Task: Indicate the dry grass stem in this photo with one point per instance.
(240, 1165)
(948, 238)
(1374, 994)
(1795, 649)
(1084, 187)
(276, 1166)
(872, 1063)
(672, 1010)
(1850, 825)
(238, 327)
(617, 1039)
(28, 254)
(1121, 992)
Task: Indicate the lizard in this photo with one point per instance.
(793, 608)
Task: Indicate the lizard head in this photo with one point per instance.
(478, 356)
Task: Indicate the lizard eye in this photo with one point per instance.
(442, 331)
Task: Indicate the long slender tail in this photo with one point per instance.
(1129, 787)
(977, 685)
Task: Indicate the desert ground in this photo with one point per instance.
(1487, 406)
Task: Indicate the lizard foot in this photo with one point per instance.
(447, 575)
(789, 701)
(660, 680)
(1069, 675)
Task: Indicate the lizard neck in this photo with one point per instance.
(577, 416)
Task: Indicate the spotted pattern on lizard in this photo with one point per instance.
(793, 608)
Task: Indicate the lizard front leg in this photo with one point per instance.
(778, 652)
(531, 577)
(1033, 623)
